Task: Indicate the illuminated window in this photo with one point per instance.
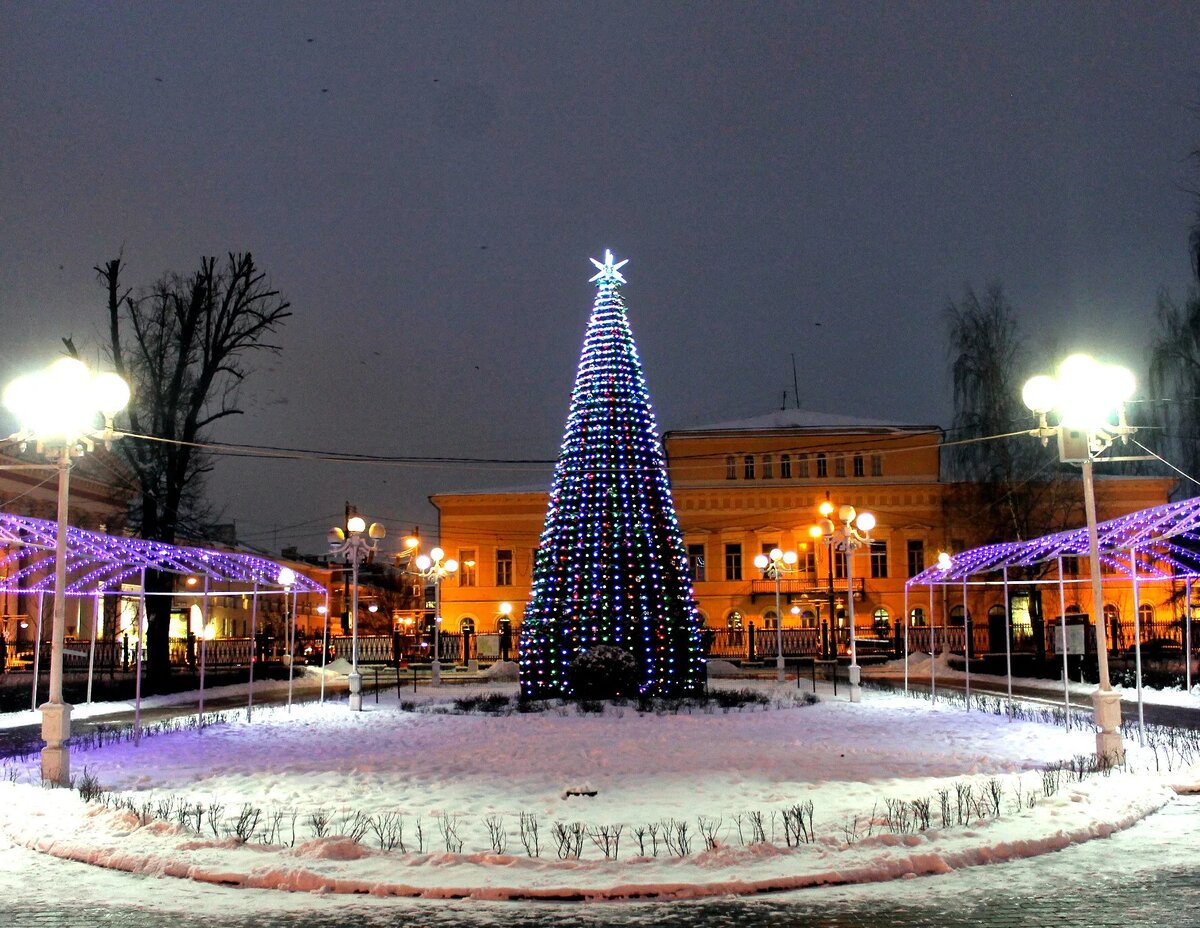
(466, 567)
(696, 563)
(504, 567)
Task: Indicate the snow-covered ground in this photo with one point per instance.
(443, 778)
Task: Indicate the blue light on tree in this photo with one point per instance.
(611, 568)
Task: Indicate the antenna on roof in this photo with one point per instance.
(795, 382)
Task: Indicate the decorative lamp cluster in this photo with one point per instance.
(610, 568)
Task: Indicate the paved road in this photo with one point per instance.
(1148, 876)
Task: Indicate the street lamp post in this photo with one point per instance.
(1086, 396)
(854, 533)
(351, 544)
(775, 566)
(817, 533)
(58, 407)
(432, 567)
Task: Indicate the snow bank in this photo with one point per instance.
(457, 772)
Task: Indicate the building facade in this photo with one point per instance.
(744, 488)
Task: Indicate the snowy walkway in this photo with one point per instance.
(323, 770)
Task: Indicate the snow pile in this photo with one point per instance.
(460, 788)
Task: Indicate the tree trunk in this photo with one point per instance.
(158, 630)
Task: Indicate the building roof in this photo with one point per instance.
(805, 419)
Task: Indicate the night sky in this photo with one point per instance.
(426, 184)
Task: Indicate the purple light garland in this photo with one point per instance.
(101, 563)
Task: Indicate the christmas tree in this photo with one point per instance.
(610, 570)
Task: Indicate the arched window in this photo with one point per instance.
(748, 467)
(822, 464)
(956, 615)
(808, 619)
(769, 619)
(882, 622)
(1075, 609)
(467, 625)
(1145, 615)
(917, 616)
(734, 621)
(785, 466)
(730, 467)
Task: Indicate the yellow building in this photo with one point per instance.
(743, 488)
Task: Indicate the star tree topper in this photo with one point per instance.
(609, 273)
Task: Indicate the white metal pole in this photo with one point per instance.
(967, 631)
(203, 652)
(1062, 619)
(1187, 636)
(287, 594)
(1105, 702)
(324, 644)
(1137, 643)
(932, 650)
(253, 652)
(855, 689)
(92, 646)
(435, 668)
(1008, 642)
(907, 621)
(56, 714)
(37, 648)
(355, 680)
(137, 685)
(778, 628)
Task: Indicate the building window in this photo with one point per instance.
(877, 465)
(839, 563)
(730, 467)
(808, 619)
(879, 568)
(734, 621)
(917, 617)
(769, 619)
(1145, 615)
(504, 567)
(916, 556)
(822, 465)
(1070, 566)
(859, 469)
(881, 622)
(785, 466)
(696, 563)
(733, 562)
(956, 615)
(766, 550)
(748, 467)
(768, 466)
(466, 567)
(802, 460)
(839, 466)
(807, 562)
(467, 625)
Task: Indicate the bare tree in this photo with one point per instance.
(182, 344)
(1003, 488)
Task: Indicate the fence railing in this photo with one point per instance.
(751, 643)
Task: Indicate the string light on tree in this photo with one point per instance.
(610, 568)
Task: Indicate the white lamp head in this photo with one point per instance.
(356, 525)
(424, 561)
(865, 521)
(287, 576)
(437, 554)
(943, 561)
(110, 392)
(376, 531)
(761, 561)
(1040, 393)
(846, 513)
(790, 557)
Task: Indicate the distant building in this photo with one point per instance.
(744, 487)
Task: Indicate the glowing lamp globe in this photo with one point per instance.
(1040, 393)
(761, 562)
(110, 393)
(424, 561)
(356, 525)
(451, 566)
(287, 576)
(790, 557)
(865, 521)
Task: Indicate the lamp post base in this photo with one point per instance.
(854, 674)
(355, 680)
(779, 674)
(56, 757)
(435, 673)
(1110, 745)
